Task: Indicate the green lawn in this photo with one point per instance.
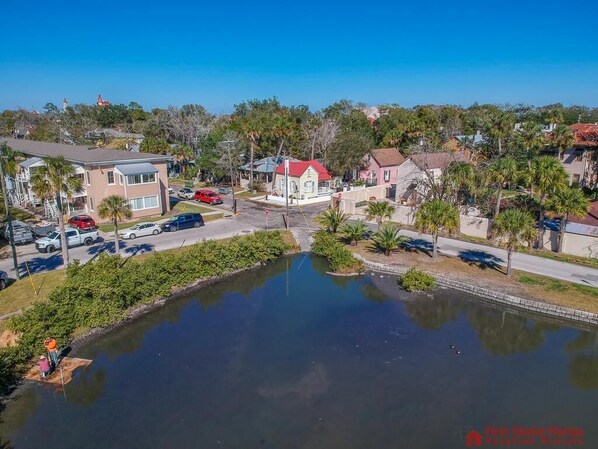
(17, 214)
(248, 194)
(20, 294)
(182, 207)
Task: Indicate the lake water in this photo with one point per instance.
(288, 357)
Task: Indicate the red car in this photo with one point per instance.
(82, 222)
(207, 196)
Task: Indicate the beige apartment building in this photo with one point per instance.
(139, 177)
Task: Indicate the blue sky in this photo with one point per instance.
(310, 52)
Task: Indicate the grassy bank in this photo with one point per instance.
(488, 275)
(340, 258)
(100, 293)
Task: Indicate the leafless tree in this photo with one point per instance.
(321, 135)
(188, 124)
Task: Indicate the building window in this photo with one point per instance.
(90, 203)
(145, 178)
(144, 202)
(121, 179)
(88, 177)
(110, 177)
(308, 186)
(386, 175)
(579, 156)
(282, 187)
(576, 179)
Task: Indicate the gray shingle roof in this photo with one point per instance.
(81, 154)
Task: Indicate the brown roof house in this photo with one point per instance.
(580, 160)
(418, 170)
(382, 166)
(139, 177)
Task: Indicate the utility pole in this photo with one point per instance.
(9, 219)
(286, 184)
(232, 179)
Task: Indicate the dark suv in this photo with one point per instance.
(183, 221)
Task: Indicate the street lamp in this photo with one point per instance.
(228, 144)
(9, 219)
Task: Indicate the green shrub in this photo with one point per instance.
(340, 258)
(416, 280)
(99, 293)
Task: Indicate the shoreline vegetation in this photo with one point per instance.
(110, 291)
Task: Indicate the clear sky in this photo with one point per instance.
(219, 53)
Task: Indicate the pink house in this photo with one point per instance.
(382, 166)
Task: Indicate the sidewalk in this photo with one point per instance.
(469, 251)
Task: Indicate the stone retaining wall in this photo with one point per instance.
(503, 298)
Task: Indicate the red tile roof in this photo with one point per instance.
(586, 134)
(591, 217)
(296, 169)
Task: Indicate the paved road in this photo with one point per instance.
(251, 217)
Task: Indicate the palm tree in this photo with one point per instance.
(461, 178)
(562, 138)
(501, 171)
(564, 203)
(116, 208)
(387, 239)
(354, 232)
(533, 138)
(500, 127)
(435, 216)
(546, 176)
(332, 219)
(511, 227)
(183, 154)
(379, 211)
(50, 182)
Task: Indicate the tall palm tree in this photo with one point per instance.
(546, 176)
(183, 154)
(501, 171)
(379, 211)
(512, 227)
(461, 178)
(435, 216)
(116, 208)
(564, 203)
(562, 138)
(282, 127)
(50, 182)
(533, 138)
(500, 127)
(387, 239)
(332, 219)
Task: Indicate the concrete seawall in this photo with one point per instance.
(496, 297)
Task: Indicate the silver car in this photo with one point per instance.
(186, 193)
(140, 230)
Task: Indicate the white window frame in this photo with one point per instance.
(90, 203)
(386, 175)
(308, 187)
(144, 199)
(142, 181)
(87, 177)
(121, 179)
(108, 177)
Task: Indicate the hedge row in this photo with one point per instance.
(340, 258)
(99, 293)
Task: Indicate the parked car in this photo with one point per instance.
(185, 193)
(22, 232)
(3, 280)
(170, 191)
(222, 190)
(74, 237)
(140, 230)
(207, 196)
(183, 221)
(82, 222)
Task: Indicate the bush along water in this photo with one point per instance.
(415, 280)
(99, 293)
(340, 258)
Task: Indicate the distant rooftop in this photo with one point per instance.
(82, 154)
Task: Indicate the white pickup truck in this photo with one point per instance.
(74, 237)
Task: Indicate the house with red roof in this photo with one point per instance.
(580, 160)
(306, 179)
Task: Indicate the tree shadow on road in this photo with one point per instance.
(418, 245)
(481, 259)
(40, 264)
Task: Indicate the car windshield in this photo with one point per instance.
(53, 235)
(134, 228)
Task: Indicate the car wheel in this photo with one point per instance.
(88, 241)
(2, 284)
(51, 249)
(156, 232)
(132, 236)
(197, 225)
